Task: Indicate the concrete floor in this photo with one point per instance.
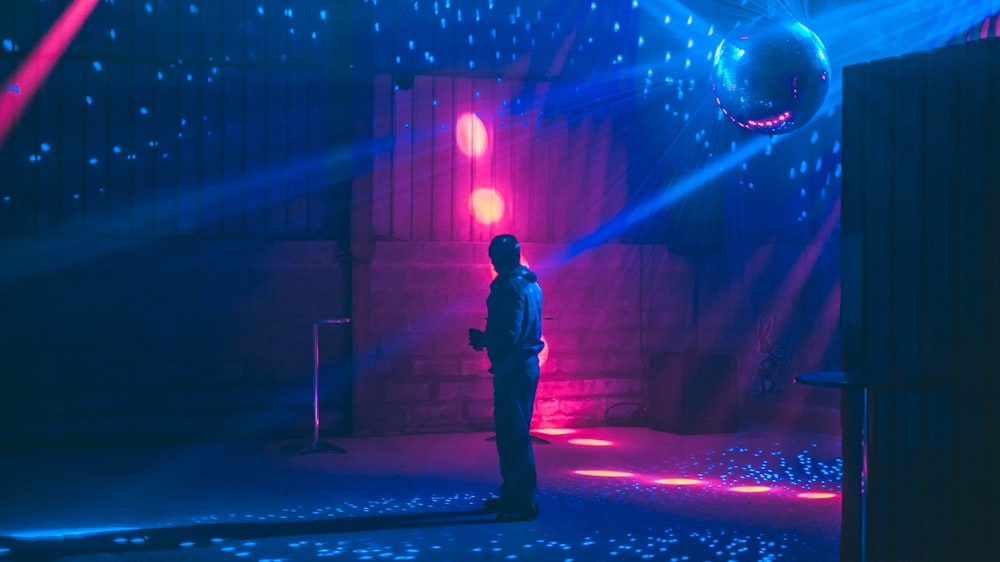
(417, 497)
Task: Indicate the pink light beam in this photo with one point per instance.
(30, 76)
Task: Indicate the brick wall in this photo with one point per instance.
(601, 317)
(117, 339)
(607, 311)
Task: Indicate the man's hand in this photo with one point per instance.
(477, 339)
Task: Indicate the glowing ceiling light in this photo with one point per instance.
(591, 442)
(471, 135)
(554, 431)
(604, 473)
(749, 489)
(679, 481)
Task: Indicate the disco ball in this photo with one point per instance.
(770, 76)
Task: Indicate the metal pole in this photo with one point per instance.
(317, 446)
(315, 328)
(864, 476)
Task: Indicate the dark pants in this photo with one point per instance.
(513, 403)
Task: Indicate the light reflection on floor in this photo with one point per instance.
(418, 498)
(486, 541)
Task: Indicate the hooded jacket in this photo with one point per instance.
(514, 321)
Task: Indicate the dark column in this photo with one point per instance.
(921, 305)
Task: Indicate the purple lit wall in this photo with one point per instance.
(425, 182)
(562, 163)
(599, 334)
(188, 185)
(187, 203)
(454, 140)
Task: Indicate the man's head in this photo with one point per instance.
(505, 252)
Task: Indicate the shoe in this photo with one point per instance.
(510, 515)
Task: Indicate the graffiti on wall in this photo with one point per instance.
(766, 384)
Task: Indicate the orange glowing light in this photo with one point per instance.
(816, 495)
(749, 489)
(471, 135)
(554, 431)
(679, 481)
(591, 442)
(486, 205)
(604, 473)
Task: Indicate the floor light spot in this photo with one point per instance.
(816, 495)
(679, 481)
(604, 473)
(554, 431)
(591, 442)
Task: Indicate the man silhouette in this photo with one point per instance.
(513, 339)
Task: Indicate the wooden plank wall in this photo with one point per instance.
(558, 177)
(921, 304)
